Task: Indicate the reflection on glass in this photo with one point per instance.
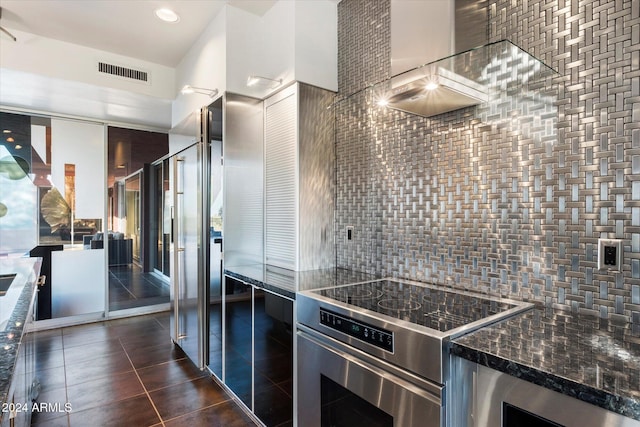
(132, 213)
(342, 408)
(215, 237)
(17, 207)
(238, 351)
(273, 366)
(161, 221)
(55, 210)
(70, 186)
(138, 230)
(56, 226)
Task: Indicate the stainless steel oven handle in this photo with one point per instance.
(418, 386)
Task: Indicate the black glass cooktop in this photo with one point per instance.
(435, 308)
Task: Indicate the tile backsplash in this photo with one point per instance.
(509, 197)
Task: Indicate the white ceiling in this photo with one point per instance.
(124, 27)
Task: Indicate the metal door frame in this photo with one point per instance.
(203, 271)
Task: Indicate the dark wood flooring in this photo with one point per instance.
(126, 372)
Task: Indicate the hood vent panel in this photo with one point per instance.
(462, 80)
(128, 73)
(439, 92)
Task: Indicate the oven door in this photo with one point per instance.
(341, 386)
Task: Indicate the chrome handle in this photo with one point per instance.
(178, 259)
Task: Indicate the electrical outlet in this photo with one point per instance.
(610, 254)
(349, 233)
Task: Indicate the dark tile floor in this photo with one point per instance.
(130, 287)
(126, 372)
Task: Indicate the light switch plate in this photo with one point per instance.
(610, 254)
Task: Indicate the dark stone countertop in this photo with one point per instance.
(582, 356)
(14, 308)
(288, 282)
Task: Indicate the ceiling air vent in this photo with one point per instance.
(128, 73)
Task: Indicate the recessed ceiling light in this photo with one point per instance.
(167, 15)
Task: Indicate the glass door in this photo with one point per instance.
(190, 272)
(138, 185)
(162, 218)
(214, 132)
(185, 290)
(132, 213)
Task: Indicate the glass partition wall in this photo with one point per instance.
(52, 205)
(90, 199)
(138, 232)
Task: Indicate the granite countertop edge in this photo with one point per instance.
(626, 406)
(261, 284)
(288, 283)
(11, 339)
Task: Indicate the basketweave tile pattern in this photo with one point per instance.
(510, 197)
(364, 43)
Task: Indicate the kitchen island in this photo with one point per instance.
(16, 311)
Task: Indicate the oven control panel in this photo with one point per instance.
(371, 335)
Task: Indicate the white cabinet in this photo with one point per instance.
(299, 178)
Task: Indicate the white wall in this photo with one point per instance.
(57, 59)
(260, 45)
(185, 133)
(59, 78)
(292, 40)
(203, 66)
(316, 39)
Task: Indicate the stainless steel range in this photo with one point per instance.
(376, 353)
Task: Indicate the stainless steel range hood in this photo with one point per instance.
(428, 79)
(437, 92)
(469, 78)
(424, 32)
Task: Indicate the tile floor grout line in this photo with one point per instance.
(146, 392)
(160, 324)
(200, 409)
(66, 384)
(172, 384)
(125, 288)
(122, 337)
